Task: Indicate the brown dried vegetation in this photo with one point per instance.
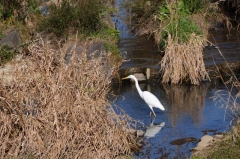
(187, 64)
(57, 110)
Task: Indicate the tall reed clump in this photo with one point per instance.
(184, 61)
(57, 110)
(182, 42)
(175, 28)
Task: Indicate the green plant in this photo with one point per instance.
(6, 54)
(110, 36)
(107, 34)
(59, 19)
(193, 6)
(226, 149)
(83, 16)
(181, 30)
(17, 10)
(1, 34)
(182, 40)
(175, 18)
(31, 156)
(33, 7)
(8, 7)
(143, 8)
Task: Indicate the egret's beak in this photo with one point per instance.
(125, 78)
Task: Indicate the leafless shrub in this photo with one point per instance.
(229, 99)
(187, 64)
(58, 110)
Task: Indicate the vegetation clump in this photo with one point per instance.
(17, 10)
(83, 16)
(6, 54)
(183, 44)
(176, 31)
(57, 110)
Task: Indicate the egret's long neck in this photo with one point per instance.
(138, 88)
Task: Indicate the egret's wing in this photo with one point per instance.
(152, 100)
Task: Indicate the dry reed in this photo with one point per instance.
(57, 110)
(184, 62)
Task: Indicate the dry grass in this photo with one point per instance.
(58, 110)
(187, 64)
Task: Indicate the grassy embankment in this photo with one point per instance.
(54, 109)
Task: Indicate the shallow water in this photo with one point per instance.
(190, 110)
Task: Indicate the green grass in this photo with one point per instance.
(6, 54)
(177, 23)
(226, 149)
(83, 16)
(182, 28)
(110, 36)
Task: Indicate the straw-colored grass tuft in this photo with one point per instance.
(57, 110)
(184, 62)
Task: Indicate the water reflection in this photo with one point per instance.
(186, 100)
(189, 111)
(153, 129)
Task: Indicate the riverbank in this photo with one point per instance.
(53, 94)
(221, 146)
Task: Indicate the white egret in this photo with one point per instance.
(148, 97)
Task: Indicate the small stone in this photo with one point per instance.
(205, 141)
(207, 138)
(140, 133)
(202, 144)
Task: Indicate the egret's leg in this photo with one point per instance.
(152, 111)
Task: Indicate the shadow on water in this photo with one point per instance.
(191, 112)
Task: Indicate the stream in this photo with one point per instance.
(191, 111)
